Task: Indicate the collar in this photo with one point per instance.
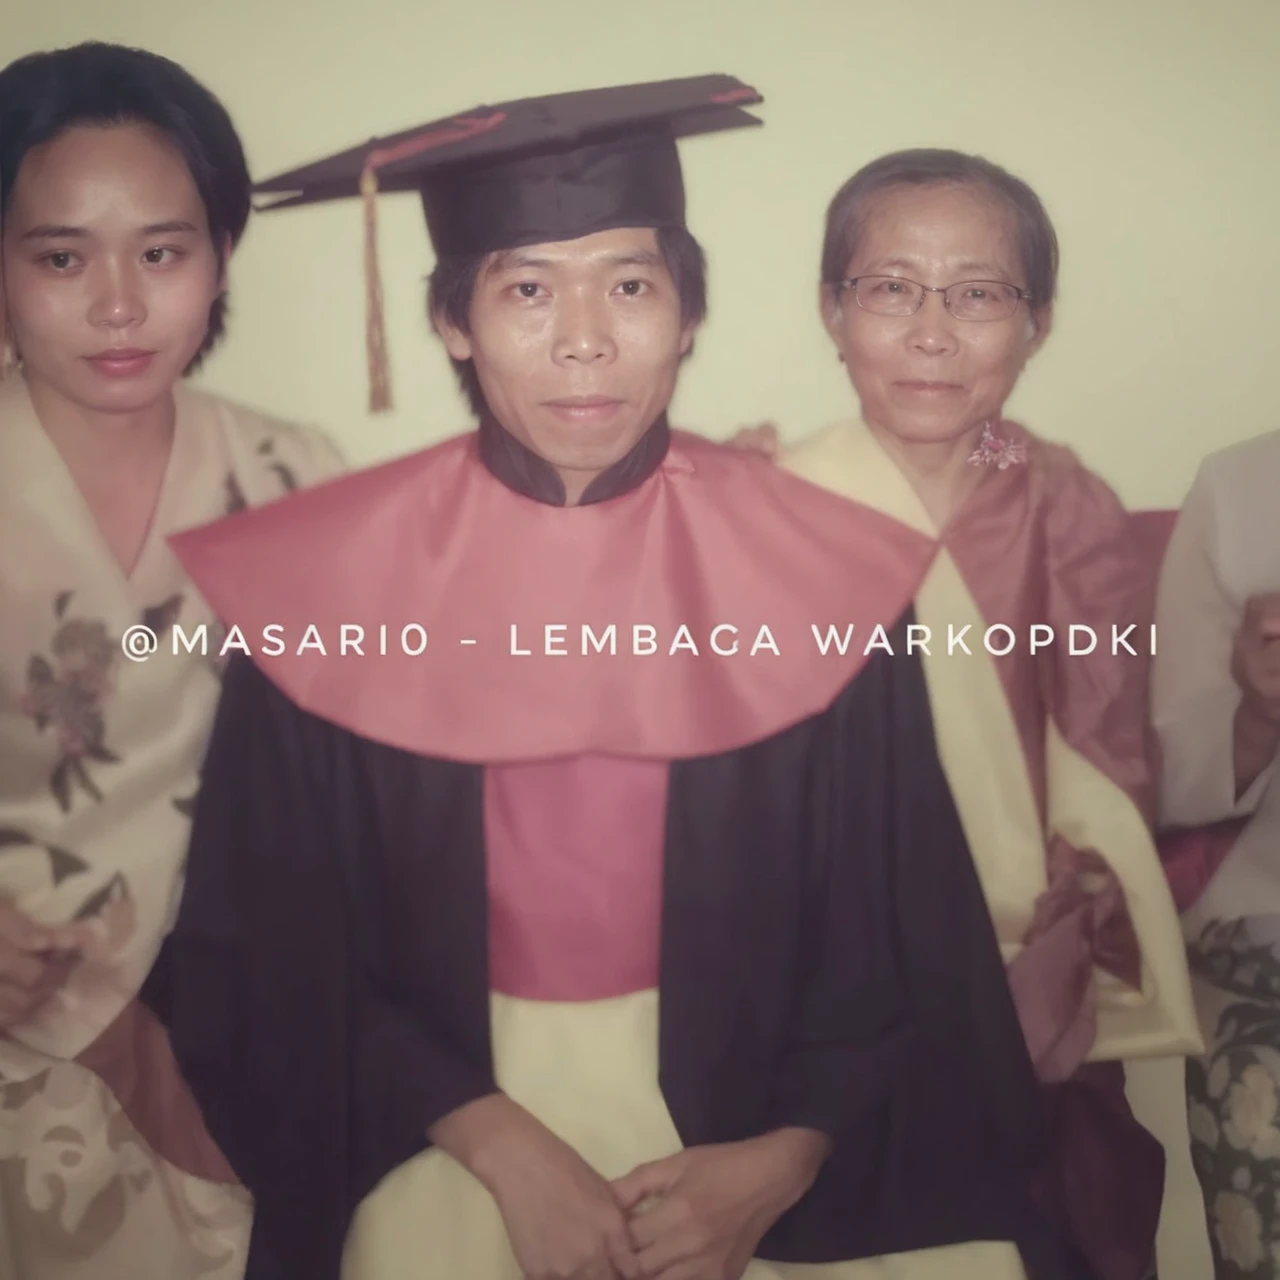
(532, 476)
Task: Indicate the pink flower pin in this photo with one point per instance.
(993, 449)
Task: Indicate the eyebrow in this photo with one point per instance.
(168, 228)
(51, 232)
(513, 260)
(994, 273)
(54, 231)
(641, 258)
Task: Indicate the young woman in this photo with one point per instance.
(125, 190)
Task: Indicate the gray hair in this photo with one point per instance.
(1036, 239)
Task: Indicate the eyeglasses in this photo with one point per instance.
(967, 300)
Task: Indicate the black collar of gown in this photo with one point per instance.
(519, 468)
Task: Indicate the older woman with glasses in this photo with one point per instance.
(938, 279)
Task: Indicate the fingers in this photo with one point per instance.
(1262, 616)
(21, 969)
(668, 1221)
(654, 1179)
(622, 1255)
(17, 1004)
(762, 438)
(669, 1250)
(20, 931)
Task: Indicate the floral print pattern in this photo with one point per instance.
(1233, 1095)
(96, 1183)
(62, 862)
(96, 1190)
(66, 693)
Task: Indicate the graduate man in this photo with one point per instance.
(556, 907)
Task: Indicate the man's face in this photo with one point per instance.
(576, 346)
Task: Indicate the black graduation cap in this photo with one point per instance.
(529, 172)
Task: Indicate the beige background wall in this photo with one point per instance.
(1148, 129)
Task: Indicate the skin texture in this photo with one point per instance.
(86, 270)
(139, 270)
(597, 317)
(938, 236)
(1255, 666)
(697, 1215)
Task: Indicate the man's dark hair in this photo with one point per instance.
(453, 285)
(1036, 239)
(44, 94)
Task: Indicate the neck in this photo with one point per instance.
(103, 444)
(938, 470)
(519, 468)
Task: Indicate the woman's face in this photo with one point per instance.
(109, 269)
(929, 377)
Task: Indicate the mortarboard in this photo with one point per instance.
(528, 172)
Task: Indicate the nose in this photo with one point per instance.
(933, 328)
(116, 300)
(584, 331)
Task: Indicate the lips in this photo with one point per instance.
(584, 409)
(921, 384)
(122, 362)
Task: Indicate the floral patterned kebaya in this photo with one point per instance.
(105, 1166)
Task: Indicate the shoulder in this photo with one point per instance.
(1231, 513)
(818, 444)
(301, 455)
(1072, 494)
(318, 518)
(1249, 470)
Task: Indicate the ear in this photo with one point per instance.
(831, 309)
(456, 343)
(1040, 325)
(224, 261)
(687, 335)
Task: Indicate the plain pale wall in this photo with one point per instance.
(1147, 128)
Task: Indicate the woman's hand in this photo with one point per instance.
(700, 1214)
(762, 438)
(1256, 660)
(1255, 666)
(34, 962)
(563, 1220)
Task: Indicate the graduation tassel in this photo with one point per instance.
(459, 130)
(375, 328)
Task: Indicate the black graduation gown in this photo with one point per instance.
(827, 960)
(326, 987)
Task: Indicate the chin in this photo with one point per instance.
(588, 447)
(917, 431)
(125, 396)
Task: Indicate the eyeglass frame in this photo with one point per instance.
(851, 282)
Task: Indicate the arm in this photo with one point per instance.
(852, 1020)
(1124, 990)
(314, 1098)
(275, 1020)
(1219, 756)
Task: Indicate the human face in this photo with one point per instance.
(929, 378)
(576, 346)
(109, 269)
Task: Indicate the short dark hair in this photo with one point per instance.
(452, 288)
(1037, 241)
(44, 94)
